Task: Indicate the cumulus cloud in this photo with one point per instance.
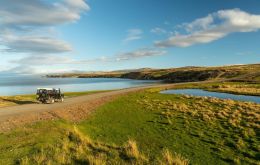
(199, 24)
(213, 27)
(39, 12)
(133, 34)
(24, 24)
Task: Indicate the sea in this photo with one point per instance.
(28, 84)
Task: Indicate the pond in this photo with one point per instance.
(200, 92)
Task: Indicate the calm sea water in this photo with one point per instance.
(200, 92)
(15, 85)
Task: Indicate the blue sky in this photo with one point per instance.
(43, 36)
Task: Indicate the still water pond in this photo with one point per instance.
(16, 85)
(200, 92)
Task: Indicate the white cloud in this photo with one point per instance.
(32, 64)
(43, 60)
(158, 30)
(25, 25)
(213, 27)
(124, 56)
(147, 52)
(33, 60)
(188, 40)
(198, 24)
(28, 28)
(25, 69)
(21, 69)
(49, 60)
(34, 44)
(39, 12)
(133, 34)
(78, 4)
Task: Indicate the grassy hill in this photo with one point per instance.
(248, 73)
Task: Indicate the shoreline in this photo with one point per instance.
(194, 85)
(73, 109)
(212, 86)
(79, 106)
(28, 86)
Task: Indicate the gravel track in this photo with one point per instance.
(73, 109)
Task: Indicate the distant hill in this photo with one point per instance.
(134, 70)
(248, 73)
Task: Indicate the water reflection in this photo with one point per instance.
(200, 92)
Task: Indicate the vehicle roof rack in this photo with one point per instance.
(46, 88)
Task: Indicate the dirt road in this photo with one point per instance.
(73, 109)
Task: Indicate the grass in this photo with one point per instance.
(31, 99)
(237, 88)
(175, 159)
(203, 130)
(144, 128)
(65, 144)
(17, 100)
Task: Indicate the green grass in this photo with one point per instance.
(29, 140)
(61, 142)
(144, 128)
(196, 128)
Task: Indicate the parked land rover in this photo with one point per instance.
(49, 95)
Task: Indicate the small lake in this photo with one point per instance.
(17, 84)
(200, 92)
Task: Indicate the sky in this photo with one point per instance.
(60, 36)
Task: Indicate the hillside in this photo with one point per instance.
(248, 73)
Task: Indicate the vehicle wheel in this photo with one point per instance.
(52, 101)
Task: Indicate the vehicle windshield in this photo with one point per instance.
(47, 91)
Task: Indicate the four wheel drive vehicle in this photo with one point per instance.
(49, 95)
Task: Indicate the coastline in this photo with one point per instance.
(236, 88)
(236, 73)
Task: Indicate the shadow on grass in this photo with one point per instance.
(20, 102)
